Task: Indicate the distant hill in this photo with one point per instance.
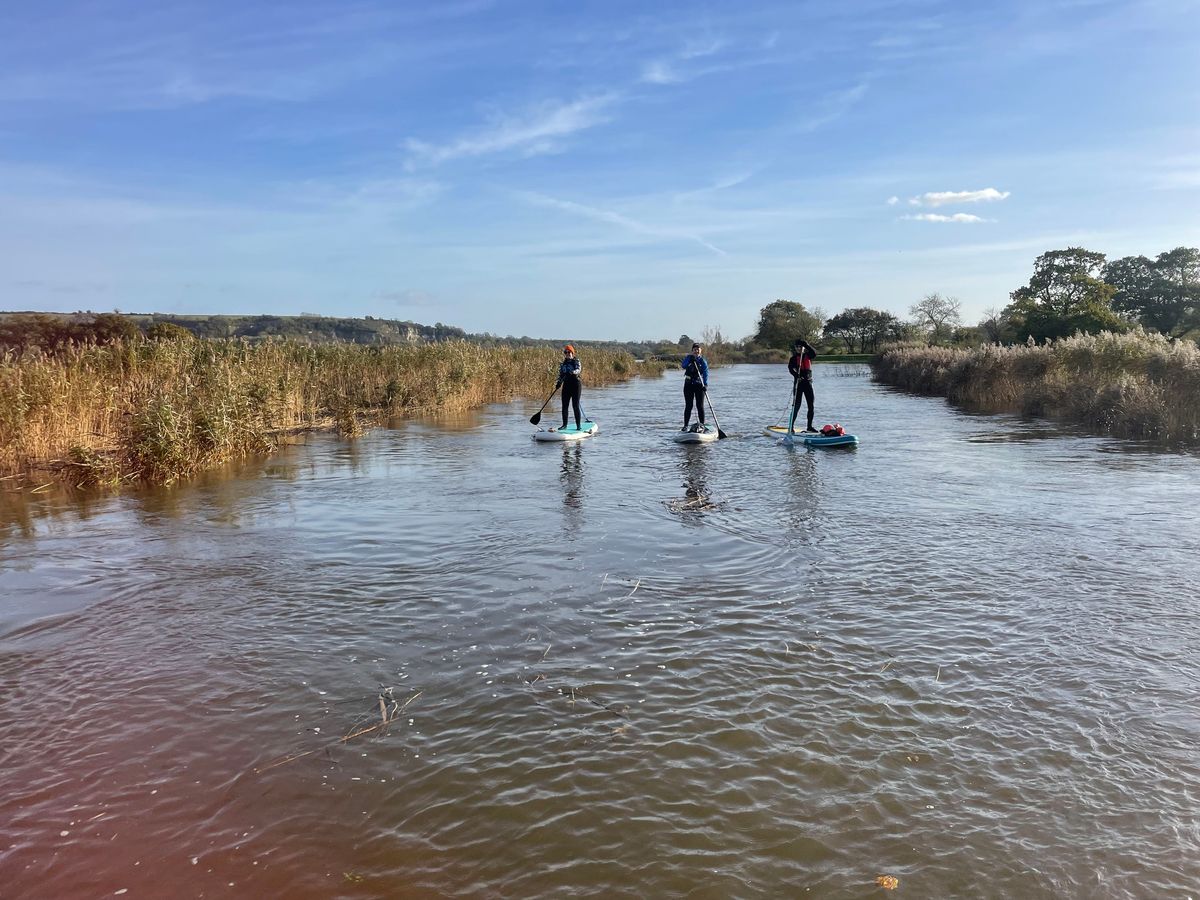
(20, 329)
(318, 329)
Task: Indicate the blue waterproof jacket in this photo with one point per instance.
(570, 368)
(691, 364)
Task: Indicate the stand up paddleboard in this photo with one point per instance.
(812, 440)
(570, 433)
(696, 437)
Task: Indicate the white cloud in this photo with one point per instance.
(942, 198)
(892, 201)
(936, 217)
(538, 131)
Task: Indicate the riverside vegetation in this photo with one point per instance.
(165, 410)
(1137, 384)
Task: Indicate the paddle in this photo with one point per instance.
(537, 416)
(788, 439)
(720, 434)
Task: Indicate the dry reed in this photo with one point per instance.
(165, 410)
(1138, 384)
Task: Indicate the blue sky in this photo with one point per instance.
(584, 169)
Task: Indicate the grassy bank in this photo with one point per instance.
(161, 411)
(1130, 385)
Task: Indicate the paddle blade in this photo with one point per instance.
(535, 418)
(721, 435)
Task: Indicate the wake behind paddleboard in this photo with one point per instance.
(570, 433)
(810, 439)
(695, 437)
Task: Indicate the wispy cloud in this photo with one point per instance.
(937, 217)
(721, 184)
(833, 107)
(660, 72)
(893, 200)
(1176, 173)
(537, 131)
(621, 221)
(407, 298)
(667, 70)
(169, 57)
(943, 198)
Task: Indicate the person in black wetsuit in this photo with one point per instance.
(695, 383)
(569, 377)
(800, 365)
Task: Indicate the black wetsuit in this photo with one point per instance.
(800, 365)
(572, 386)
(695, 383)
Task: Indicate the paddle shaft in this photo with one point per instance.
(537, 416)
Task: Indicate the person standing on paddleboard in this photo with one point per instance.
(800, 365)
(695, 383)
(570, 378)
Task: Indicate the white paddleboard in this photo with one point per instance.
(695, 437)
(570, 433)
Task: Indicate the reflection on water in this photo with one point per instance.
(697, 498)
(962, 656)
(572, 474)
(572, 484)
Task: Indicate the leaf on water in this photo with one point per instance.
(887, 882)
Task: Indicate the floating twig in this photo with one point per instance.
(388, 718)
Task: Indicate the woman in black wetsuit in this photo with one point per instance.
(800, 365)
(695, 383)
(569, 376)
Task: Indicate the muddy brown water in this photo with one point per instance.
(962, 654)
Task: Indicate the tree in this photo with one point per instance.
(937, 313)
(168, 331)
(1064, 296)
(22, 332)
(992, 325)
(863, 328)
(783, 321)
(1162, 293)
(108, 327)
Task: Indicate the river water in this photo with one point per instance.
(962, 655)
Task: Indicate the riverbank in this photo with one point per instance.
(1136, 385)
(161, 411)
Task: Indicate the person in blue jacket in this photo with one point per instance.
(695, 383)
(570, 378)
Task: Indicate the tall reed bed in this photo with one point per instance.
(165, 410)
(1131, 385)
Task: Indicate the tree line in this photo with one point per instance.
(1071, 291)
(53, 331)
